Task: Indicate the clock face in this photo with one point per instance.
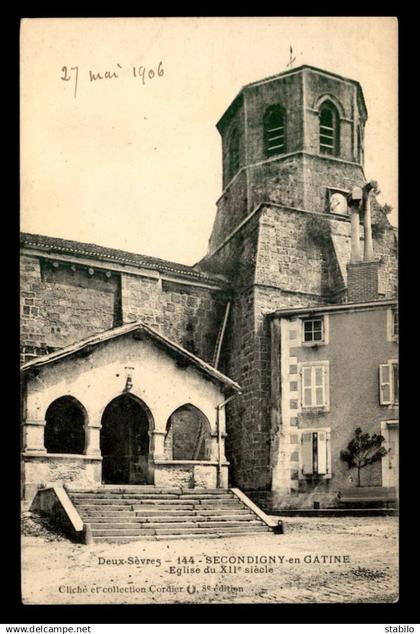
(338, 204)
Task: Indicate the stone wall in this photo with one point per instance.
(61, 305)
(232, 208)
(76, 471)
(188, 315)
(291, 257)
(280, 180)
(236, 123)
(190, 475)
(323, 172)
(385, 248)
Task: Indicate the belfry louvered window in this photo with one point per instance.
(274, 130)
(329, 129)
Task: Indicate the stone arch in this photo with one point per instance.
(99, 409)
(328, 97)
(188, 434)
(65, 422)
(124, 440)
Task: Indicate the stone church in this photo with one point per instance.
(250, 369)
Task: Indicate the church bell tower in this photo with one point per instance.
(295, 139)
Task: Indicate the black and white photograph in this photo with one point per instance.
(209, 310)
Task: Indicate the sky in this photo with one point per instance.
(133, 161)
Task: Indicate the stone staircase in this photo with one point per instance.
(127, 513)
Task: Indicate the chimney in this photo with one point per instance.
(362, 275)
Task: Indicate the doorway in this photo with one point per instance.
(125, 441)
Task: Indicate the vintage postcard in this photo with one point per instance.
(209, 317)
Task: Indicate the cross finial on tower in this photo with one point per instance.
(291, 58)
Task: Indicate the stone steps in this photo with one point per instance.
(202, 530)
(118, 518)
(121, 501)
(130, 513)
(123, 496)
(215, 535)
(151, 496)
(144, 489)
(93, 511)
(134, 526)
(137, 508)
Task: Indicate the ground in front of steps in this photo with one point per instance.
(56, 571)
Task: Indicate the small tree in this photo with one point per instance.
(380, 222)
(362, 450)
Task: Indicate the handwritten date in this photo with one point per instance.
(142, 74)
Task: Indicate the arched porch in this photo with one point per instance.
(106, 410)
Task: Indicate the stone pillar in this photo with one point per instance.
(213, 445)
(33, 436)
(92, 439)
(157, 445)
(355, 235)
(368, 250)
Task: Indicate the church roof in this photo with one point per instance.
(142, 330)
(106, 254)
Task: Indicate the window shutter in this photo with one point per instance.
(307, 455)
(326, 378)
(307, 387)
(395, 383)
(322, 453)
(319, 385)
(385, 384)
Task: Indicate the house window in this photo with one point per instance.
(389, 383)
(313, 330)
(315, 385)
(392, 324)
(274, 131)
(329, 129)
(315, 452)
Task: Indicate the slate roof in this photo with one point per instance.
(106, 254)
(136, 326)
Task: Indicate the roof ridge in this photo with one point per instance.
(111, 333)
